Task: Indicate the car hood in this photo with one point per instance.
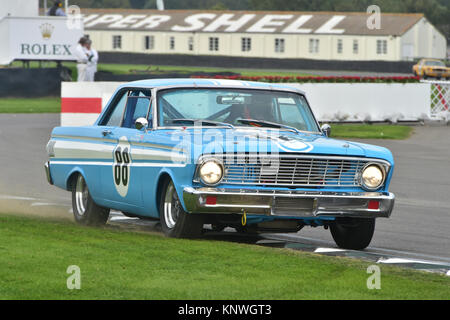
(274, 141)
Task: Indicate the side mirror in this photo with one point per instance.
(141, 124)
(326, 130)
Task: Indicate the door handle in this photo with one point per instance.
(106, 132)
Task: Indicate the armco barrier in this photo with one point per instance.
(82, 102)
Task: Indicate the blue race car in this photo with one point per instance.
(227, 153)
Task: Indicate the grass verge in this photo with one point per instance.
(160, 69)
(115, 264)
(365, 131)
(30, 105)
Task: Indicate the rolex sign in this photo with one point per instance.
(43, 38)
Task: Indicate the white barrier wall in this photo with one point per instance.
(368, 101)
(82, 102)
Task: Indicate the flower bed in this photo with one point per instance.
(314, 79)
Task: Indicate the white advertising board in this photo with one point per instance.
(41, 38)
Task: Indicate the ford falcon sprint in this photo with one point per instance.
(224, 153)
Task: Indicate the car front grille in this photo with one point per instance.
(294, 170)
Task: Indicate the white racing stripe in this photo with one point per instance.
(99, 163)
(67, 149)
(148, 154)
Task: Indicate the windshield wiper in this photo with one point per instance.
(203, 122)
(267, 124)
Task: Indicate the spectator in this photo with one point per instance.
(91, 68)
(81, 54)
(56, 10)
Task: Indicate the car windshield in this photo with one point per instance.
(214, 107)
(434, 63)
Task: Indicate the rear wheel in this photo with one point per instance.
(175, 222)
(85, 211)
(353, 233)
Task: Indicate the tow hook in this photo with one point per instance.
(244, 219)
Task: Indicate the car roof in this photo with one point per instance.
(219, 83)
(431, 59)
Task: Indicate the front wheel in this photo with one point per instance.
(175, 222)
(353, 233)
(85, 210)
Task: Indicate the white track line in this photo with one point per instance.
(328, 250)
(122, 218)
(48, 204)
(393, 251)
(9, 197)
(402, 260)
(369, 249)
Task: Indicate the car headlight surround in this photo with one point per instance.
(373, 176)
(211, 171)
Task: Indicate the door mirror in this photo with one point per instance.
(326, 130)
(141, 124)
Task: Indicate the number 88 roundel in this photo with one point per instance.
(121, 166)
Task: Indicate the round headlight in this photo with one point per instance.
(211, 172)
(372, 177)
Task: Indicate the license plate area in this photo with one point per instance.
(296, 207)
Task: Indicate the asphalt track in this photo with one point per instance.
(418, 229)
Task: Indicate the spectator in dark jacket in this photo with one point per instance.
(56, 10)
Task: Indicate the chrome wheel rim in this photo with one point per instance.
(172, 207)
(81, 195)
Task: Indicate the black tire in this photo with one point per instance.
(85, 210)
(353, 233)
(175, 222)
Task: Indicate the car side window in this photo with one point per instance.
(138, 106)
(292, 112)
(114, 118)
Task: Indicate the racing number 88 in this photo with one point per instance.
(121, 168)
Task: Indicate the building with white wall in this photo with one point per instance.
(298, 35)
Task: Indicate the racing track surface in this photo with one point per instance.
(418, 229)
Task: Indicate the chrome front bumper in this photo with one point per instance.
(47, 172)
(288, 203)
